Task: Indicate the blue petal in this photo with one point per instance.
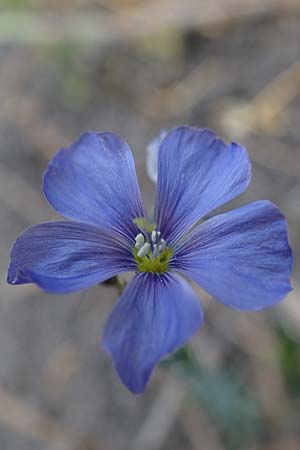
(155, 315)
(94, 181)
(152, 155)
(65, 257)
(197, 172)
(242, 258)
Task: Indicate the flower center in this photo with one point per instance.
(151, 253)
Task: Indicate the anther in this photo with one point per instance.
(155, 252)
(162, 245)
(144, 250)
(139, 240)
(155, 236)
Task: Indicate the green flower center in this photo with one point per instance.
(151, 253)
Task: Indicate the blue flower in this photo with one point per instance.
(242, 257)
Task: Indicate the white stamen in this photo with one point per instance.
(155, 252)
(153, 236)
(139, 240)
(162, 245)
(144, 250)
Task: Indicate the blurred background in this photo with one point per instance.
(136, 67)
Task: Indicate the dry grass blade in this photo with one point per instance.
(23, 418)
(199, 431)
(263, 112)
(161, 417)
(182, 96)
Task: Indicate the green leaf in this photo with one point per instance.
(289, 358)
(232, 410)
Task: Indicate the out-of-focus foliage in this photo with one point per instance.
(15, 4)
(289, 358)
(235, 413)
